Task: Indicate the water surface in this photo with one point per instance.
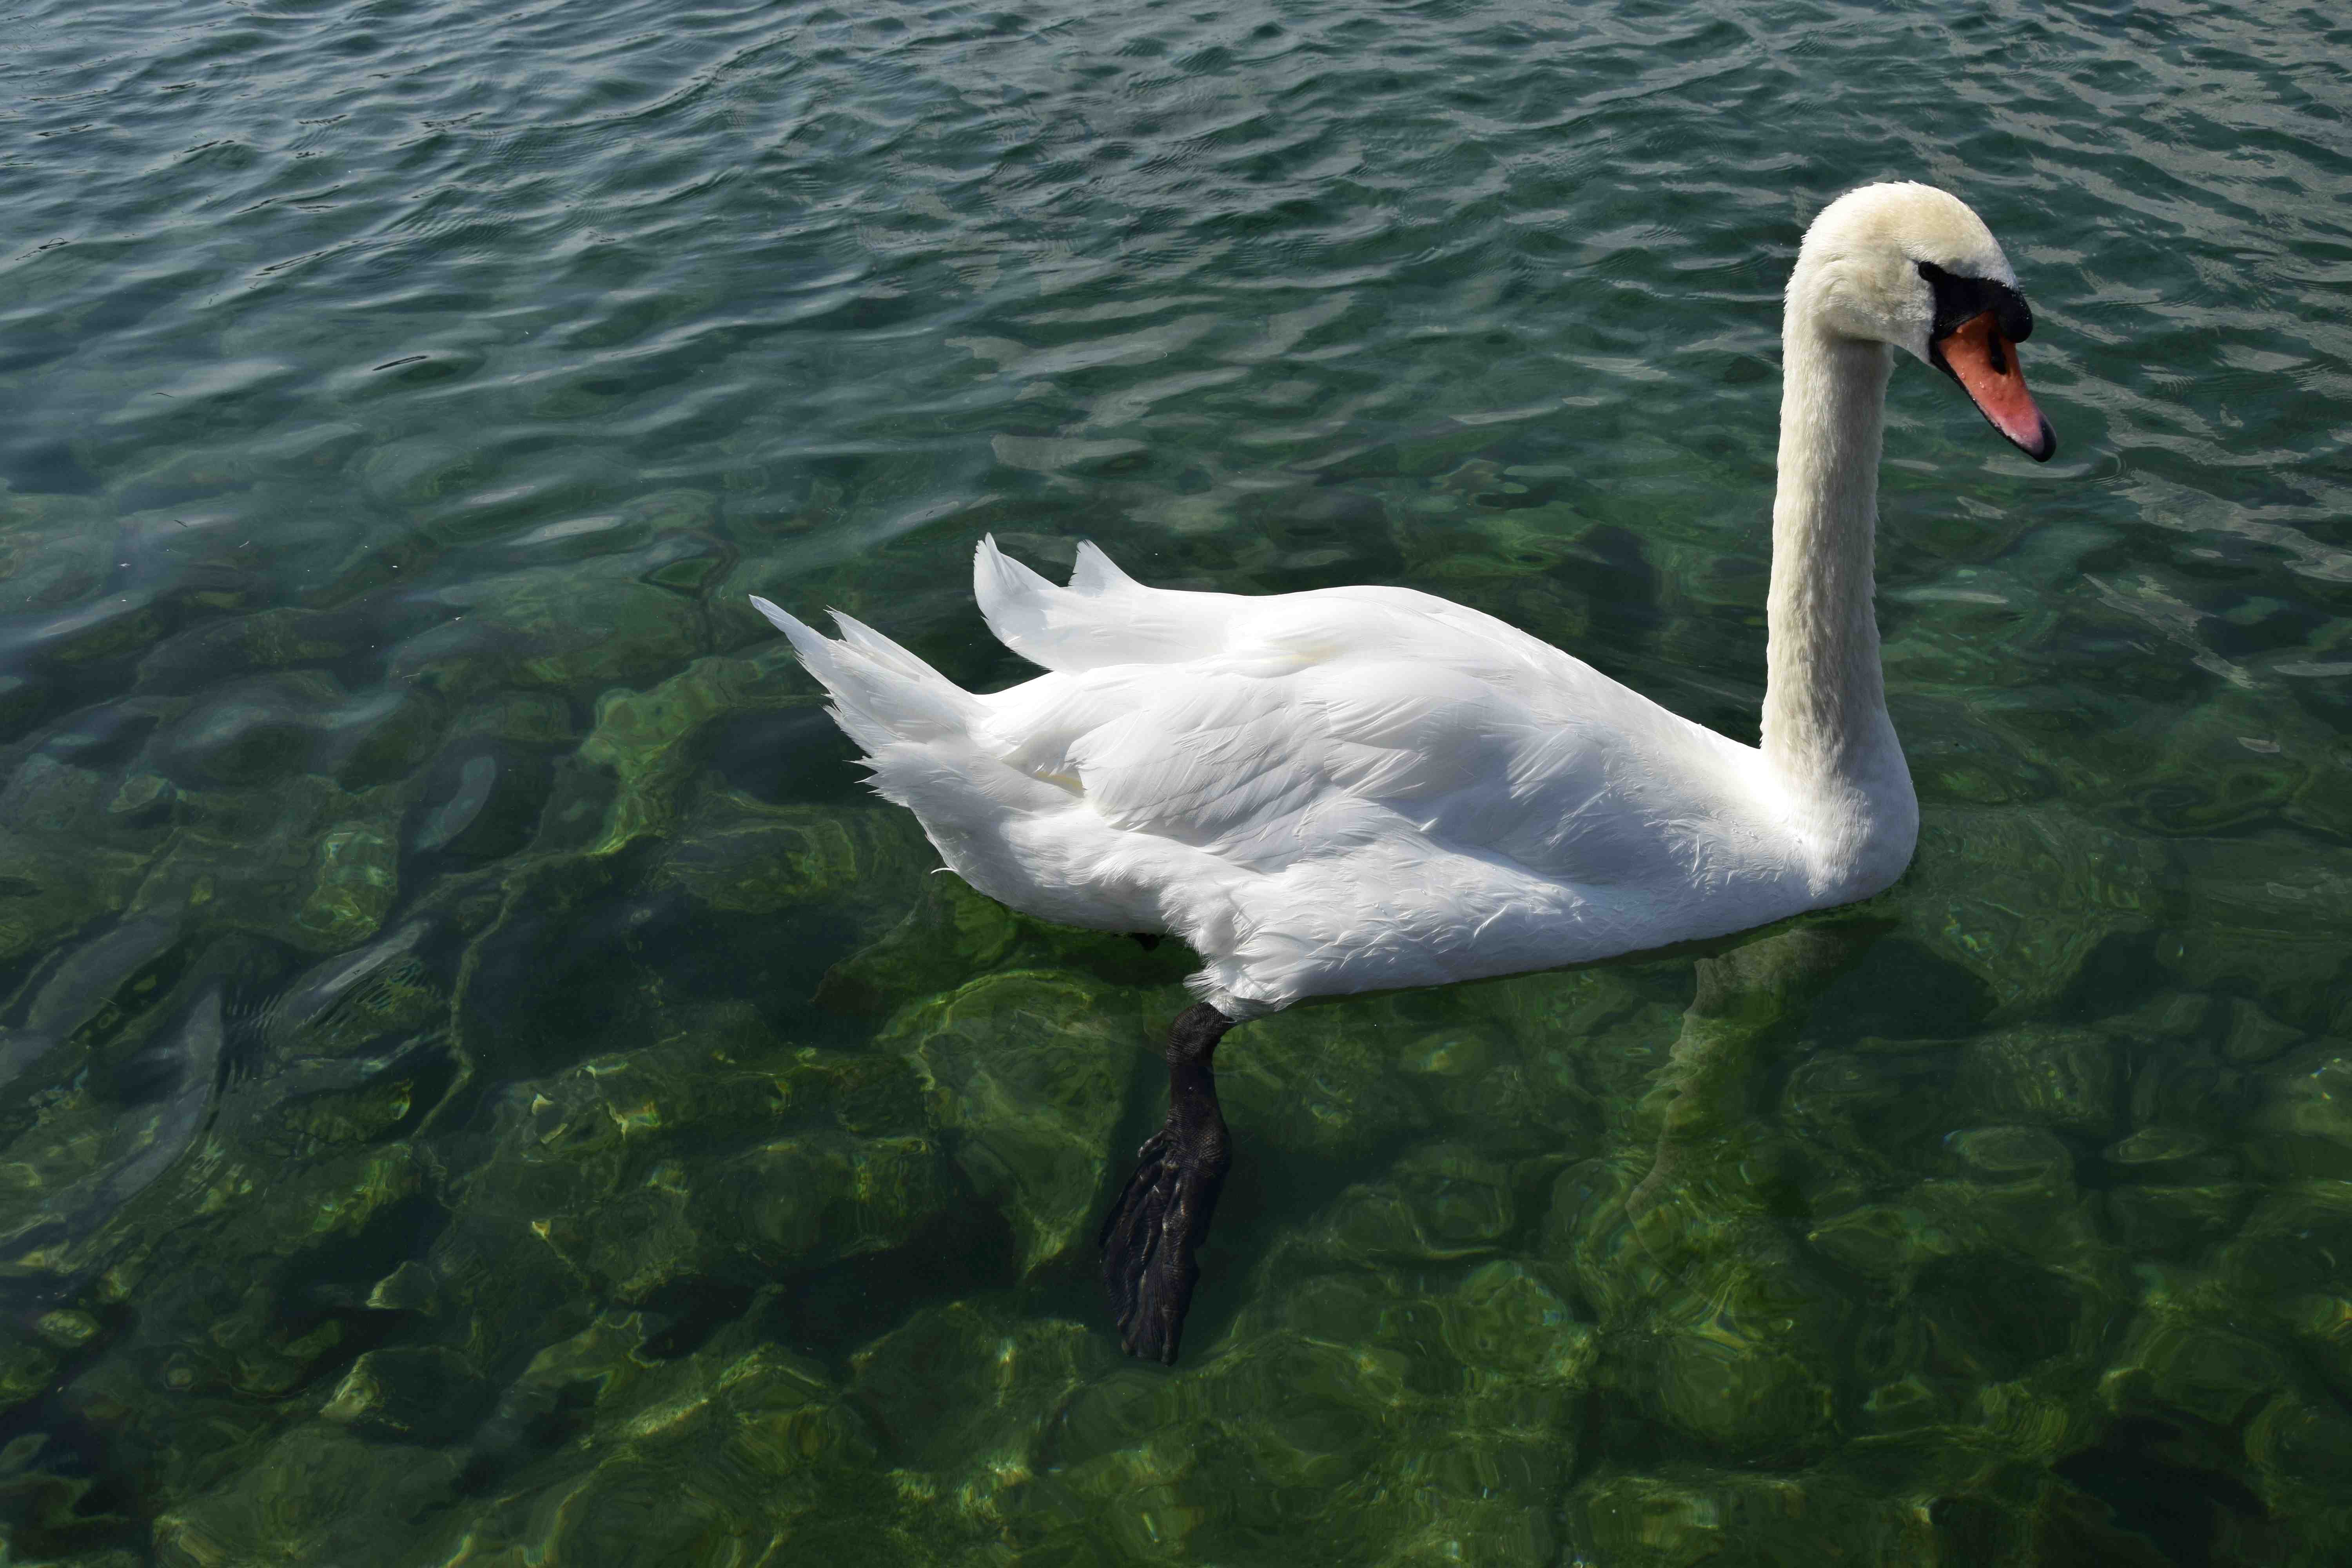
(484, 1084)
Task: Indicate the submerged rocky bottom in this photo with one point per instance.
(527, 1116)
(709, 1184)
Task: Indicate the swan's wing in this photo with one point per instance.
(1593, 787)
(1104, 618)
(1211, 758)
(1266, 730)
(1262, 771)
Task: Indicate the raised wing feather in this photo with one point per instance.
(1104, 618)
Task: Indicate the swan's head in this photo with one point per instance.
(1911, 266)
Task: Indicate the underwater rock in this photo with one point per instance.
(2052, 1078)
(2308, 1113)
(719, 1153)
(98, 628)
(301, 860)
(2209, 1371)
(448, 820)
(354, 884)
(1512, 1326)
(2021, 898)
(54, 551)
(352, 1000)
(1736, 1356)
(2288, 1260)
(1498, 1331)
(745, 856)
(248, 731)
(97, 984)
(590, 624)
(1438, 1201)
(173, 1083)
(319, 1493)
(232, 1264)
(63, 787)
(409, 474)
(808, 1200)
(2303, 1440)
(21, 701)
(264, 641)
(27, 1369)
(950, 935)
(417, 1394)
(967, 1392)
(53, 885)
(2175, 1194)
(1681, 1517)
(1321, 1084)
(1379, 1452)
(379, 737)
(2253, 1036)
(649, 741)
(1879, 1112)
(601, 1457)
(479, 801)
(2002, 1156)
(2263, 918)
(1522, 1095)
(1027, 1074)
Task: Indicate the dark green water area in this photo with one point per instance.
(482, 1083)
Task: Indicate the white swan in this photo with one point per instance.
(1359, 788)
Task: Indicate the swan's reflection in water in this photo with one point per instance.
(1687, 1241)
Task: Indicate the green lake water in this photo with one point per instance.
(481, 1082)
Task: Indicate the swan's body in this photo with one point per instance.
(1336, 791)
(1368, 787)
(1359, 788)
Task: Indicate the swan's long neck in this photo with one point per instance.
(1826, 734)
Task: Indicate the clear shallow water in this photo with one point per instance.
(482, 1081)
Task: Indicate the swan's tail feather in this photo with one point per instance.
(931, 750)
(807, 641)
(883, 696)
(882, 651)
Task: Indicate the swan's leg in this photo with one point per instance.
(1153, 1231)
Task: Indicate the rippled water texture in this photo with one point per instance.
(484, 1084)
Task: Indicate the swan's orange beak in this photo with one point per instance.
(1984, 363)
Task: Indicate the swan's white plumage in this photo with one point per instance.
(1359, 788)
(1334, 791)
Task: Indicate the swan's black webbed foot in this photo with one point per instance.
(1150, 1236)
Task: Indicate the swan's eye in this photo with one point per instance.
(1960, 299)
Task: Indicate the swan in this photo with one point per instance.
(1357, 788)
